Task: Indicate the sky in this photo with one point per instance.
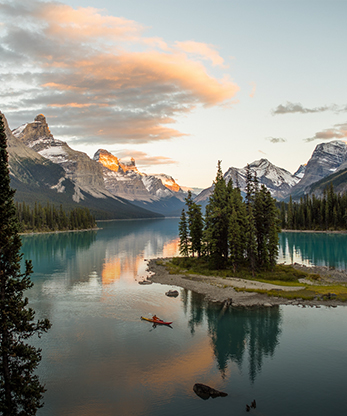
(179, 85)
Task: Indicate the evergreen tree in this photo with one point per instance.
(283, 215)
(195, 225)
(261, 226)
(235, 240)
(183, 234)
(249, 187)
(251, 239)
(217, 220)
(290, 222)
(20, 390)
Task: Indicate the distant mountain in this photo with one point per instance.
(279, 181)
(327, 164)
(326, 159)
(44, 169)
(159, 193)
(337, 179)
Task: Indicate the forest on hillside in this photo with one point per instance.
(328, 213)
(49, 218)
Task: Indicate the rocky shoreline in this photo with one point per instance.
(221, 290)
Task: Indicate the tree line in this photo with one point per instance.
(234, 232)
(312, 213)
(50, 218)
(21, 392)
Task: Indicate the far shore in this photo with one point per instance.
(221, 290)
(61, 231)
(316, 231)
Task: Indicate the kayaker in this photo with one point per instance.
(155, 318)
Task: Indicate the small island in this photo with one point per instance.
(230, 254)
(316, 286)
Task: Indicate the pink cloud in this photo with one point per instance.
(201, 49)
(143, 159)
(339, 131)
(104, 76)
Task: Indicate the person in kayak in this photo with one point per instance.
(155, 318)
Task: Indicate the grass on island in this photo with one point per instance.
(284, 275)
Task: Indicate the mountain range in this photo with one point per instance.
(328, 164)
(46, 169)
(43, 169)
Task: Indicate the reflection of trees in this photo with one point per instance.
(117, 250)
(263, 332)
(237, 331)
(318, 248)
(41, 247)
(196, 311)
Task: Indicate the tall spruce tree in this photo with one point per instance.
(217, 220)
(195, 225)
(20, 390)
(183, 234)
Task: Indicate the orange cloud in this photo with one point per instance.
(143, 159)
(86, 23)
(201, 49)
(254, 87)
(103, 77)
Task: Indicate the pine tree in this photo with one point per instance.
(235, 241)
(251, 240)
(20, 390)
(183, 234)
(195, 225)
(217, 220)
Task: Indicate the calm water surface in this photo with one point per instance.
(100, 359)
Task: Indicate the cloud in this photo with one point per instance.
(98, 77)
(339, 131)
(143, 159)
(254, 87)
(206, 52)
(276, 139)
(290, 108)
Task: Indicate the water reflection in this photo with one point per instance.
(320, 249)
(236, 333)
(101, 359)
(116, 252)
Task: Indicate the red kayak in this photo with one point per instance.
(156, 321)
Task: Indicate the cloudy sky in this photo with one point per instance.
(179, 85)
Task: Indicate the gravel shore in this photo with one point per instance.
(221, 290)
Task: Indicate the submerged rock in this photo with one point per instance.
(205, 392)
(172, 293)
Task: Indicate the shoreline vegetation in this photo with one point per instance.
(60, 231)
(311, 286)
(230, 254)
(48, 218)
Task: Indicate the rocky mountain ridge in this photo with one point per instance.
(326, 159)
(106, 176)
(103, 176)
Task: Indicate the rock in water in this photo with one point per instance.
(172, 293)
(205, 392)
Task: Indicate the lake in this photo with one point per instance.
(101, 359)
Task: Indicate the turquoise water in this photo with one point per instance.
(321, 249)
(100, 359)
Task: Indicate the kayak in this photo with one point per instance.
(156, 321)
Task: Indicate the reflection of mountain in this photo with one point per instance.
(320, 249)
(116, 252)
(238, 332)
